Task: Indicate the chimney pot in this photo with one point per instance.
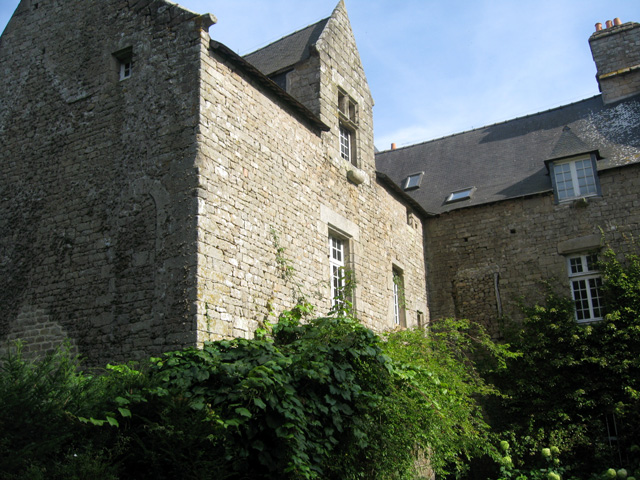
(393, 146)
(598, 27)
(616, 21)
(609, 24)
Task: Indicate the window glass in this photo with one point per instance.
(586, 287)
(413, 181)
(398, 299)
(460, 195)
(345, 143)
(575, 179)
(337, 263)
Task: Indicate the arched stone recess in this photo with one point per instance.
(135, 300)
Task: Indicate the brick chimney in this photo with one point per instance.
(616, 51)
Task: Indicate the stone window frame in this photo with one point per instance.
(566, 179)
(585, 282)
(333, 224)
(347, 127)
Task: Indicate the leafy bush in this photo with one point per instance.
(324, 398)
(573, 381)
(41, 435)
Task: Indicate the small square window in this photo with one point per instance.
(460, 195)
(412, 181)
(125, 69)
(125, 63)
(574, 178)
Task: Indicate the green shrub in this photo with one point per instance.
(572, 379)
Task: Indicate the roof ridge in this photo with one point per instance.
(287, 36)
(493, 124)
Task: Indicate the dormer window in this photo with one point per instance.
(460, 195)
(574, 178)
(348, 125)
(412, 181)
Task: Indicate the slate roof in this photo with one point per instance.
(288, 51)
(507, 160)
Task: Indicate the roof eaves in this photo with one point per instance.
(386, 180)
(298, 108)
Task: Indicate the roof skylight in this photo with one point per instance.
(412, 181)
(460, 195)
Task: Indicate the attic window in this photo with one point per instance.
(347, 107)
(412, 181)
(575, 178)
(125, 62)
(460, 195)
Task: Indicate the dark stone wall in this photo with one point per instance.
(97, 204)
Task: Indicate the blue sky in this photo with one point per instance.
(439, 67)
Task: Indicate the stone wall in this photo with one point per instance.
(264, 173)
(97, 215)
(483, 260)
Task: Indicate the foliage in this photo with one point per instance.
(572, 379)
(320, 398)
(551, 469)
(41, 435)
(434, 405)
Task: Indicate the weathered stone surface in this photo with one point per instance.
(483, 261)
(136, 214)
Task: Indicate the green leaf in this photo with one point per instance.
(125, 412)
(112, 421)
(243, 411)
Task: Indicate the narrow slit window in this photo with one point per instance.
(337, 264)
(399, 319)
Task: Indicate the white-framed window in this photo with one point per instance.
(575, 178)
(124, 58)
(125, 69)
(399, 318)
(348, 118)
(346, 137)
(337, 262)
(586, 285)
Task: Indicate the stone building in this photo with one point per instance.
(527, 203)
(159, 191)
